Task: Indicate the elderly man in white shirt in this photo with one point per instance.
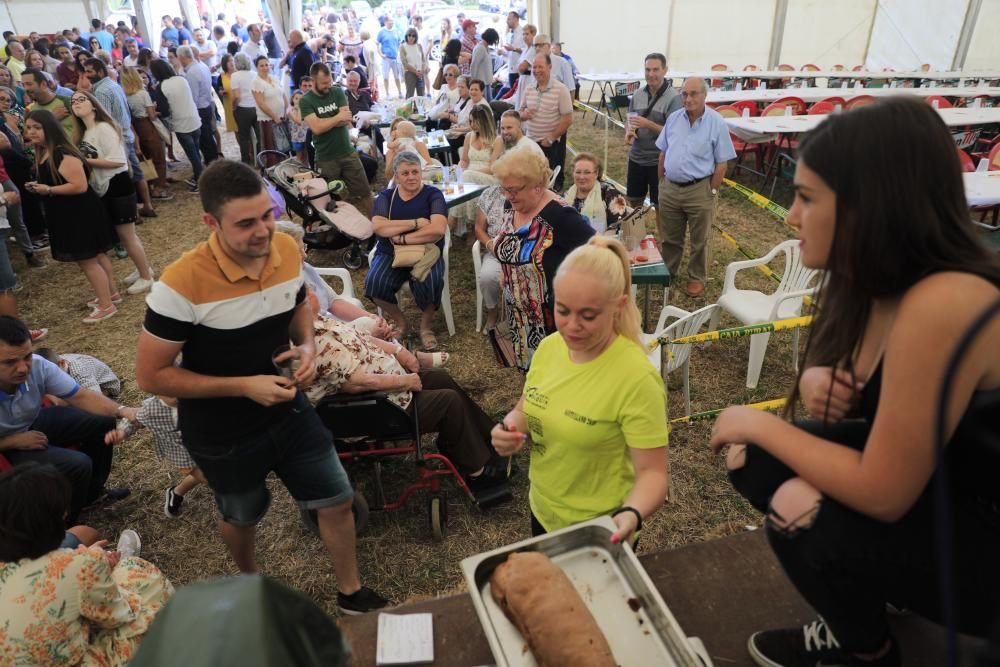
(562, 71)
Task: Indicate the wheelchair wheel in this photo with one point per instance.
(354, 257)
(359, 508)
(437, 511)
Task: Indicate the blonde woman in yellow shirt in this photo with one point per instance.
(593, 408)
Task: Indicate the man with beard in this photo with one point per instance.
(512, 137)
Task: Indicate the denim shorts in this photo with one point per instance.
(298, 448)
(133, 162)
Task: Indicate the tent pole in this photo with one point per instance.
(10, 16)
(965, 37)
(777, 33)
(871, 30)
(670, 33)
(555, 10)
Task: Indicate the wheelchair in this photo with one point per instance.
(369, 426)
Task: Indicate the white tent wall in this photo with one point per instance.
(909, 33)
(51, 16)
(730, 32)
(594, 50)
(984, 49)
(815, 34)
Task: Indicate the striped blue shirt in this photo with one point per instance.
(112, 98)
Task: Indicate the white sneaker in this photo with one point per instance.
(139, 286)
(132, 277)
(129, 543)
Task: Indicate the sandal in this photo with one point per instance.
(427, 340)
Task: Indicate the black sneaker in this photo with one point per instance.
(811, 645)
(35, 262)
(172, 506)
(362, 602)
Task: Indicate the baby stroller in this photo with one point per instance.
(330, 224)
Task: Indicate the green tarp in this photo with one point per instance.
(245, 621)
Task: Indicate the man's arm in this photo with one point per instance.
(95, 403)
(301, 332)
(323, 125)
(564, 122)
(719, 174)
(659, 166)
(155, 373)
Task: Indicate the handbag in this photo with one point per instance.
(438, 79)
(282, 137)
(148, 170)
(404, 256)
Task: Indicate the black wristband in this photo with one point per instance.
(626, 508)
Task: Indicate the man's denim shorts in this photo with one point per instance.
(297, 448)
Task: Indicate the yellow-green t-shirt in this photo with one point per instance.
(68, 122)
(583, 419)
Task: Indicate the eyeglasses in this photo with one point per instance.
(583, 172)
(78, 100)
(449, 75)
(512, 192)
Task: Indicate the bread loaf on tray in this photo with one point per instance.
(540, 600)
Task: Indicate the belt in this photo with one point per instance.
(689, 183)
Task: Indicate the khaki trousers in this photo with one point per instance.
(682, 209)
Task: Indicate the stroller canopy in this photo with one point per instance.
(245, 621)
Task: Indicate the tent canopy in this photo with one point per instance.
(693, 34)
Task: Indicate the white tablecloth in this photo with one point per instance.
(838, 74)
(757, 128)
(982, 188)
(817, 94)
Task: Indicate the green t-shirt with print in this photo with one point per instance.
(68, 123)
(583, 419)
(336, 142)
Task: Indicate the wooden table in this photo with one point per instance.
(721, 590)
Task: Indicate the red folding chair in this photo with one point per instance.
(969, 164)
(859, 101)
(942, 102)
(718, 67)
(750, 106)
(965, 160)
(821, 109)
(743, 147)
(750, 83)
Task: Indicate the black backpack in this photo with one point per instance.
(160, 100)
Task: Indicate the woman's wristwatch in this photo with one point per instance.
(396, 350)
(627, 508)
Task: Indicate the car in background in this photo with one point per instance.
(362, 9)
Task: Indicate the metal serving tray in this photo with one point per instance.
(628, 608)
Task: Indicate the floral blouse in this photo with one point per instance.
(342, 350)
(70, 607)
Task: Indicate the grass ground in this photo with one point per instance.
(395, 553)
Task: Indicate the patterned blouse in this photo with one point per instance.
(70, 607)
(341, 351)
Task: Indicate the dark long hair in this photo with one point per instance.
(901, 216)
(34, 500)
(55, 142)
(452, 49)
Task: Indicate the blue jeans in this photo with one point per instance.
(87, 467)
(190, 143)
(297, 448)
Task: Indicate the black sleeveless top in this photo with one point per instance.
(973, 452)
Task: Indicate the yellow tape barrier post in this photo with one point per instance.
(734, 332)
(776, 404)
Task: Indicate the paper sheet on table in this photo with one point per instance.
(405, 639)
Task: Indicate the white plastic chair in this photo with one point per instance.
(449, 319)
(687, 324)
(753, 307)
(477, 267)
(555, 174)
(347, 292)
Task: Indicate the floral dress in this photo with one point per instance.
(529, 257)
(70, 607)
(342, 350)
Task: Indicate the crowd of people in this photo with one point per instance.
(86, 148)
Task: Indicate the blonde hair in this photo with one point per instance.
(131, 81)
(532, 168)
(583, 156)
(613, 270)
(406, 129)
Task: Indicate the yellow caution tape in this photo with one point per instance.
(776, 404)
(735, 332)
(760, 200)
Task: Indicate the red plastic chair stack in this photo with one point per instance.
(743, 147)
